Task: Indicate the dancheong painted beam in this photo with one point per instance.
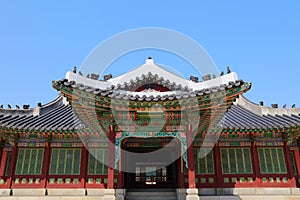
(219, 141)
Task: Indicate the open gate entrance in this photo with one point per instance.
(150, 171)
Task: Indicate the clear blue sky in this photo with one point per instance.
(40, 42)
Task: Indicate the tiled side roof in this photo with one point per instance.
(60, 116)
(53, 116)
(246, 115)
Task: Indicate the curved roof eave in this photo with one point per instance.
(151, 68)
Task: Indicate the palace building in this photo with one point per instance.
(149, 134)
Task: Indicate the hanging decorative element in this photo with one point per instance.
(179, 135)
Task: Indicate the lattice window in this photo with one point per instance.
(236, 161)
(30, 161)
(65, 161)
(293, 163)
(272, 160)
(97, 163)
(7, 167)
(204, 165)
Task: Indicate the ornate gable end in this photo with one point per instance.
(150, 82)
(150, 77)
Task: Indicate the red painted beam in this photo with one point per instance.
(12, 164)
(289, 165)
(297, 160)
(218, 165)
(3, 162)
(120, 176)
(180, 173)
(255, 165)
(191, 162)
(83, 169)
(46, 164)
(111, 152)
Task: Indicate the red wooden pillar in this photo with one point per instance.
(191, 162)
(297, 160)
(120, 180)
(12, 164)
(83, 169)
(111, 153)
(218, 164)
(3, 162)
(120, 184)
(180, 173)
(255, 165)
(289, 165)
(46, 164)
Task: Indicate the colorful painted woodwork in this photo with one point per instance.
(225, 141)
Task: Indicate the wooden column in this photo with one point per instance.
(111, 158)
(255, 165)
(289, 165)
(191, 162)
(12, 164)
(297, 160)
(120, 184)
(180, 172)
(3, 162)
(218, 165)
(83, 168)
(46, 163)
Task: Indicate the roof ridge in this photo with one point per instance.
(263, 110)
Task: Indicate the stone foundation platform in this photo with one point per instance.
(182, 194)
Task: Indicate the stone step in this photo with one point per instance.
(150, 198)
(151, 194)
(152, 190)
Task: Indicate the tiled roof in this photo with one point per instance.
(149, 96)
(246, 115)
(56, 115)
(155, 74)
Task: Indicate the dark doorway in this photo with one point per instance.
(150, 171)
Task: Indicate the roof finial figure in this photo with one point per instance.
(80, 73)
(194, 79)
(206, 77)
(88, 76)
(1, 106)
(26, 106)
(17, 107)
(284, 106)
(150, 58)
(8, 106)
(94, 76)
(107, 77)
(294, 106)
(75, 69)
(222, 73)
(228, 70)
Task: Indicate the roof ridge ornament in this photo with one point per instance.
(149, 60)
(228, 70)
(261, 110)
